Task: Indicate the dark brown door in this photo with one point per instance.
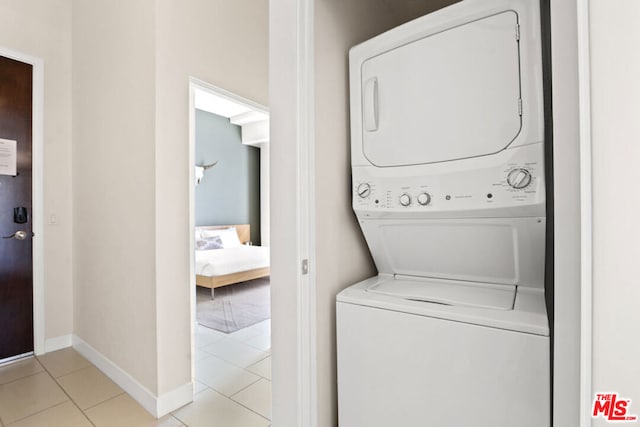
(16, 253)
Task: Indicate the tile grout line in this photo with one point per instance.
(246, 407)
(233, 394)
(65, 391)
(236, 365)
(227, 397)
(44, 371)
(67, 373)
(230, 397)
(38, 412)
(266, 354)
(106, 400)
(182, 423)
(255, 373)
(261, 376)
(241, 390)
(249, 409)
(259, 349)
(21, 378)
(33, 374)
(179, 420)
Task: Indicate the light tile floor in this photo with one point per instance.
(232, 388)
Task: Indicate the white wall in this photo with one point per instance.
(132, 64)
(43, 29)
(114, 183)
(615, 91)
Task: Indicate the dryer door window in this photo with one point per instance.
(451, 95)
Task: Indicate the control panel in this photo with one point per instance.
(510, 184)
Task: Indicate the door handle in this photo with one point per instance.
(370, 105)
(18, 235)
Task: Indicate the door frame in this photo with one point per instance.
(37, 196)
(197, 84)
(586, 219)
(292, 102)
(573, 320)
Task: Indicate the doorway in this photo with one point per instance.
(21, 189)
(229, 158)
(16, 249)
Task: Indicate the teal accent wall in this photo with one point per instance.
(229, 193)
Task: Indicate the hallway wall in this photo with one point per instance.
(132, 63)
(114, 183)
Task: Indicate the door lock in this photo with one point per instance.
(18, 235)
(20, 215)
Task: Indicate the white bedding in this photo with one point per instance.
(218, 262)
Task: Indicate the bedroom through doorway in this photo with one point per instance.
(229, 154)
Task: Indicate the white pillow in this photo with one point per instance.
(209, 243)
(229, 236)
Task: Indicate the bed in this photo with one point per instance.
(223, 256)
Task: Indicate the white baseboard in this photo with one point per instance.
(57, 343)
(157, 406)
(174, 399)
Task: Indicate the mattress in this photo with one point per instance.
(218, 262)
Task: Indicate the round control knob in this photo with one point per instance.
(424, 199)
(519, 178)
(405, 199)
(364, 190)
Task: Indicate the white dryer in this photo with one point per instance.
(447, 135)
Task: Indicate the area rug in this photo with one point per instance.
(234, 306)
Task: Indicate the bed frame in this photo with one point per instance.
(212, 282)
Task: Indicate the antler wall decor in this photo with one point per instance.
(200, 171)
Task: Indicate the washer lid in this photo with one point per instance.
(451, 95)
(448, 292)
(529, 312)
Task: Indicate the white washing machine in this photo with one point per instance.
(449, 190)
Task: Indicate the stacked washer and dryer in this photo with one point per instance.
(447, 134)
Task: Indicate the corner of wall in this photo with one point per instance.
(158, 406)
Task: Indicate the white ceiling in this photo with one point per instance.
(239, 113)
(253, 121)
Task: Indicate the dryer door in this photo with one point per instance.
(451, 95)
